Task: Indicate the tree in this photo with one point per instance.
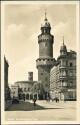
(38, 88)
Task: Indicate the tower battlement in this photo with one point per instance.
(45, 62)
(45, 38)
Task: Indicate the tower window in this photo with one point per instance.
(39, 59)
(45, 44)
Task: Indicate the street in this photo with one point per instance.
(43, 111)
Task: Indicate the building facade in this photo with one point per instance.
(6, 66)
(63, 76)
(14, 91)
(7, 92)
(45, 61)
(25, 88)
(54, 81)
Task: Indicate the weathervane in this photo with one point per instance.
(45, 15)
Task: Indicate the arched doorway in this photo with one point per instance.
(27, 96)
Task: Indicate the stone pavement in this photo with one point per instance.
(50, 111)
(61, 104)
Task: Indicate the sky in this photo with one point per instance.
(22, 24)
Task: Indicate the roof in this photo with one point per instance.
(25, 82)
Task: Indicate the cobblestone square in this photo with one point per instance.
(44, 111)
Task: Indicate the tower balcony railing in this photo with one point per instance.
(43, 62)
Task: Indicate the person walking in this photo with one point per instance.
(34, 101)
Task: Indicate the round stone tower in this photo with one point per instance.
(45, 61)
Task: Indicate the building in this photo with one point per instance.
(14, 91)
(6, 66)
(54, 81)
(25, 87)
(45, 61)
(6, 86)
(63, 75)
(7, 96)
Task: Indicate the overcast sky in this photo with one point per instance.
(22, 27)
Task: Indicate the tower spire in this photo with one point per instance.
(63, 40)
(45, 16)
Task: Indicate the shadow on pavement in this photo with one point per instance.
(27, 106)
(24, 106)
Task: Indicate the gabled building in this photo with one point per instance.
(63, 75)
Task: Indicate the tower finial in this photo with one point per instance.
(45, 15)
(63, 40)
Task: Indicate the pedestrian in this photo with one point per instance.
(24, 98)
(56, 100)
(34, 101)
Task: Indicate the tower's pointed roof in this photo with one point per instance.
(63, 47)
(45, 23)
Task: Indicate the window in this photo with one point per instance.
(66, 63)
(24, 89)
(28, 89)
(41, 73)
(71, 73)
(45, 44)
(46, 79)
(71, 64)
(39, 59)
(64, 73)
(71, 84)
(64, 84)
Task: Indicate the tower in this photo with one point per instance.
(63, 49)
(45, 61)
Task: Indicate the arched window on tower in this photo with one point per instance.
(45, 44)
